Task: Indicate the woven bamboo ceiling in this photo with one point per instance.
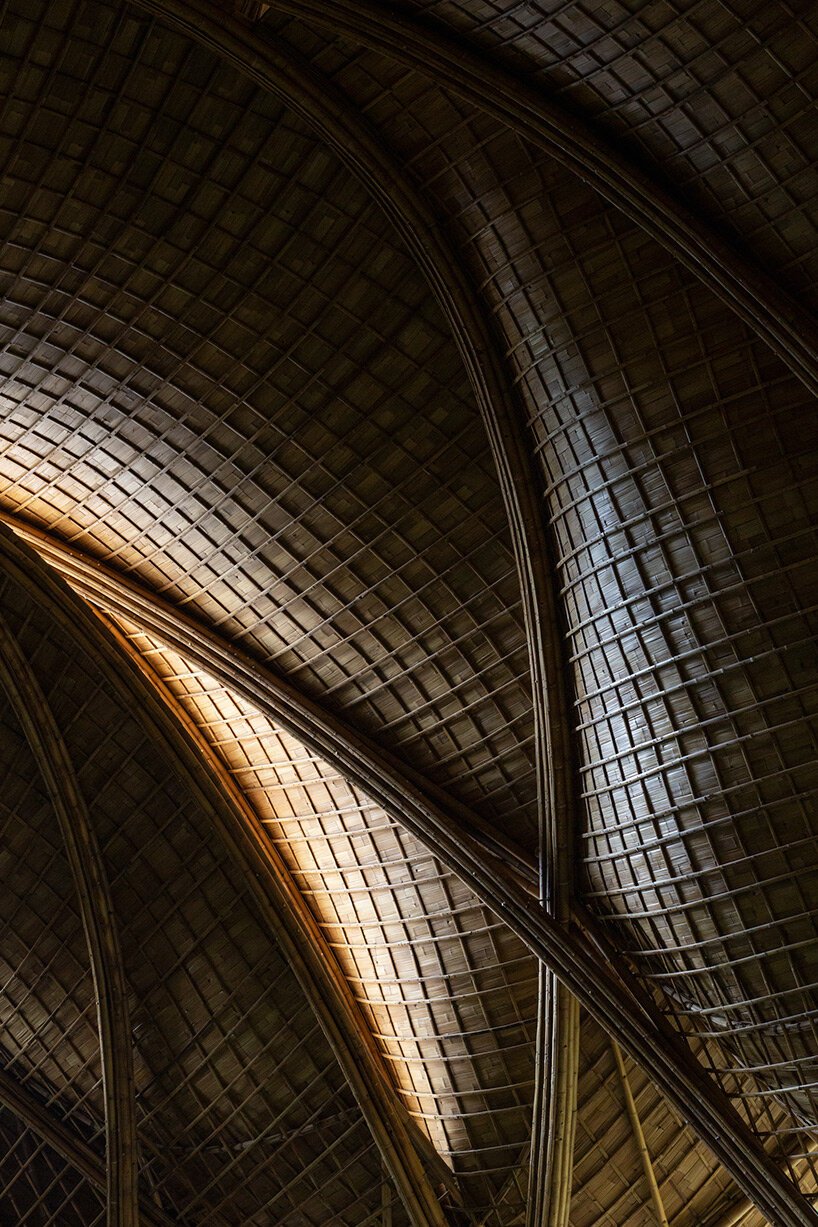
(408, 590)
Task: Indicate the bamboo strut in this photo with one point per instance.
(639, 1135)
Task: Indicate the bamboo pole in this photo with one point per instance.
(639, 1137)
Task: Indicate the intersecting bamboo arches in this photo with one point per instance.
(528, 110)
(284, 909)
(613, 998)
(326, 109)
(31, 707)
(429, 257)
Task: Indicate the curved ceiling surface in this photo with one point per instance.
(238, 385)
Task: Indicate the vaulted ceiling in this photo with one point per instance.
(408, 588)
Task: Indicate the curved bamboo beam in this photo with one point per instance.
(242, 833)
(384, 777)
(527, 109)
(23, 691)
(19, 1100)
(611, 995)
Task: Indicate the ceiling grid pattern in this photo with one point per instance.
(719, 96)
(228, 376)
(304, 487)
(672, 543)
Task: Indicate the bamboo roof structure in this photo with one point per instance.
(408, 590)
